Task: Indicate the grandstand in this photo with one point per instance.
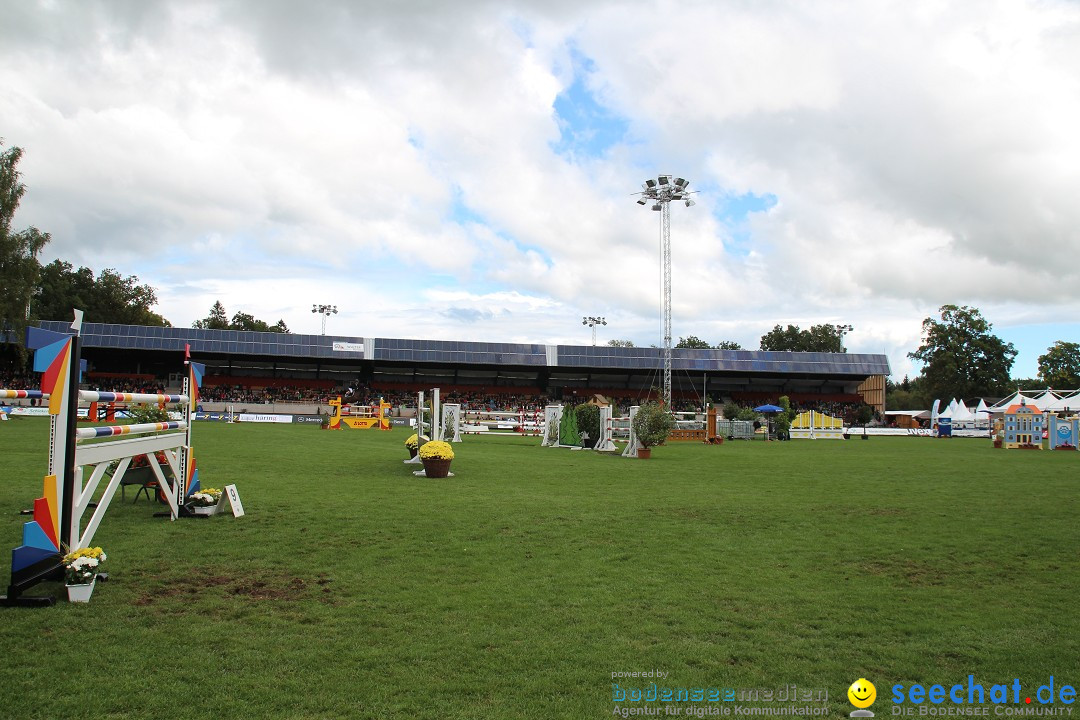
(286, 367)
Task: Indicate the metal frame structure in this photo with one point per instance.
(592, 322)
(326, 311)
(661, 192)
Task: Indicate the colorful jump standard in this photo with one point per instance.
(57, 524)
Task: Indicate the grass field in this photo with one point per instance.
(353, 589)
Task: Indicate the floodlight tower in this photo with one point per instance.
(661, 192)
(326, 311)
(593, 322)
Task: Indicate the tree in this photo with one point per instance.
(692, 343)
(1060, 366)
(960, 356)
(19, 266)
(782, 423)
(906, 395)
(819, 338)
(652, 424)
(218, 320)
(620, 343)
(107, 298)
(728, 345)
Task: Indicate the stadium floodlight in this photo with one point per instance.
(326, 311)
(661, 192)
(593, 322)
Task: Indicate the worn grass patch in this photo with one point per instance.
(516, 589)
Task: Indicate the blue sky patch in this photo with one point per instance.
(586, 127)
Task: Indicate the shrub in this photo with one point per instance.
(652, 424)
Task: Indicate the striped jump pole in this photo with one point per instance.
(98, 396)
(137, 429)
(23, 395)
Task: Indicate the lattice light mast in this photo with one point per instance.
(326, 311)
(661, 192)
(593, 322)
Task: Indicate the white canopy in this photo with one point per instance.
(1016, 399)
(961, 413)
(1069, 402)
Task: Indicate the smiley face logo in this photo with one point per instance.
(862, 693)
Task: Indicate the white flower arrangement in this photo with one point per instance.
(81, 566)
(205, 498)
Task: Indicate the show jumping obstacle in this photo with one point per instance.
(57, 526)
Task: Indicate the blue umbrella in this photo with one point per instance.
(769, 409)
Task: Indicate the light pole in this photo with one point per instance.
(661, 192)
(593, 322)
(326, 311)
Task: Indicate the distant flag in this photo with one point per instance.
(187, 353)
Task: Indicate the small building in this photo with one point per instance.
(1024, 425)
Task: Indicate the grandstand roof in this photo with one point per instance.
(403, 363)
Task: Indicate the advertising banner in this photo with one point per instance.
(258, 418)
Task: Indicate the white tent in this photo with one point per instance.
(1017, 398)
(1068, 402)
(961, 414)
(1045, 400)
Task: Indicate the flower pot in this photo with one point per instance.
(412, 452)
(81, 593)
(436, 468)
(997, 444)
(204, 509)
(644, 453)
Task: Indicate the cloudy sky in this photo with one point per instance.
(465, 170)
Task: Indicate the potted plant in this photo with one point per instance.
(204, 501)
(436, 456)
(81, 568)
(325, 424)
(141, 474)
(652, 425)
(999, 440)
(587, 416)
(412, 444)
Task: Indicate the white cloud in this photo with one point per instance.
(271, 156)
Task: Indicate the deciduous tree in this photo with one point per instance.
(961, 357)
(19, 266)
(1060, 366)
(108, 298)
(218, 320)
(819, 338)
(692, 343)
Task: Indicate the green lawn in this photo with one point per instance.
(353, 589)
